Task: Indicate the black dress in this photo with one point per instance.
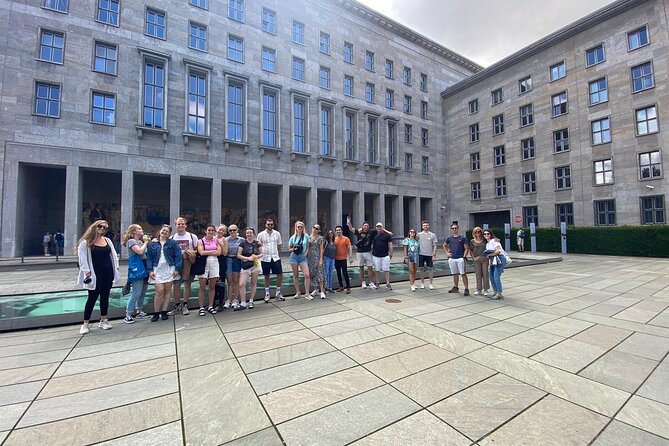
(102, 265)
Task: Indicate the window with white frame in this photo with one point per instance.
(390, 98)
(236, 10)
(236, 110)
(348, 85)
(529, 182)
(497, 125)
(390, 69)
(594, 55)
(369, 60)
(526, 115)
(530, 215)
(407, 104)
(650, 165)
(527, 151)
(408, 133)
(564, 213)
(406, 76)
(154, 88)
(298, 32)
(605, 212)
(299, 124)
(392, 144)
(525, 84)
(425, 166)
(236, 48)
(423, 82)
(408, 162)
(269, 59)
(324, 43)
(560, 140)
(156, 25)
(652, 210)
(197, 37)
(348, 52)
(500, 187)
(327, 133)
(268, 20)
(424, 137)
(600, 131)
(324, 77)
(423, 109)
(103, 109)
(598, 91)
(646, 120)
(372, 139)
(298, 69)
(559, 104)
(637, 38)
(475, 162)
(475, 189)
(474, 132)
(473, 106)
(499, 156)
(56, 5)
(47, 100)
(369, 92)
(558, 71)
(108, 12)
(350, 134)
(106, 55)
(603, 171)
(199, 3)
(197, 103)
(497, 96)
(52, 46)
(642, 77)
(269, 118)
(563, 177)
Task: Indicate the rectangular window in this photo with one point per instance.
(299, 125)
(601, 131)
(105, 58)
(598, 91)
(642, 77)
(408, 162)
(298, 69)
(156, 26)
(423, 82)
(197, 103)
(104, 108)
(475, 191)
(558, 71)
(646, 120)
(559, 104)
(563, 177)
(652, 210)
(407, 104)
(637, 38)
(526, 115)
(390, 69)
(372, 132)
(154, 95)
(348, 85)
(497, 96)
(603, 171)
(350, 136)
(408, 133)
(236, 49)
(324, 77)
(497, 125)
(475, 162)
(564, 212)
(108, 12)
(236, 10)
(56, 5)
(474, 132)
(235, 111)
(650, 165)
(605, 213)
(529, 182)
(406, 76)
(525, 85)
(424, 137)
(326, 131)
(500, 187)
(527, 151)
(473, 106)
(348, 52)
(197, 37)
(561, 140)
(392, 144)
(595, 55)
(324, 46)
(423, 109)
(425, 167)
(530, 215)
(199, 3)
(369, 60)
(369, 92)
(390, 99)
(268, 20)
(298, 33)
(52, 46)
(47, 100)
(269, 59)
(499, 156)
(269, 120)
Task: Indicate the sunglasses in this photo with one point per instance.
(454, 228)
(232, 230)
(103, 227)
(487, 233)
(317, 228)
(269, 224)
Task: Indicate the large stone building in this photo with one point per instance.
(570, 128)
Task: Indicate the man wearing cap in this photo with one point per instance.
(382, 252)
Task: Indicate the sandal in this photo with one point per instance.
(201, 312)
(250, 304)
(211, 310)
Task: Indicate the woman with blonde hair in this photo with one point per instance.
(234, 267)
(476, 246)
(298, 246)
(209, 247)
(98, 270)
(411, 252)
(136, 242)
(249, 253)
(164, 263)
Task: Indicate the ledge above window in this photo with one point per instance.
(188, 136)
(143, 129)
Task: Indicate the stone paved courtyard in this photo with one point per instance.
(575, 354)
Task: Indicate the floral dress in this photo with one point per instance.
(316, 271)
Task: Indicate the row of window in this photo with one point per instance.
(156, 26)
(651, 211)
(642, 75)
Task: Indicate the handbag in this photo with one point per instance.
(507, 258)
(136, 268)
(198, 267)
(126, 288)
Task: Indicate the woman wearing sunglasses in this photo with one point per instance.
(98, 270)
(315, 261)
(493, 249)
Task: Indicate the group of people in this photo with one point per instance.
(222, 257)
(56, 241)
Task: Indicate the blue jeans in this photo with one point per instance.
(496, 274)
(328, 265)
(137, 292)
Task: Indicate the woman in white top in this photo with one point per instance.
(497, 263)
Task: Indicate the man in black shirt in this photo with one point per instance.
(382, 253)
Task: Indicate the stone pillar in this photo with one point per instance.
(398, 216)
(284, 214)
(379, 210)
(127, 202)
(216, 192)
(414, 214)
(336, 209)
(359, 210)
(312, 208)
(14, 199)
(73, 230)
(175, 196)
(252, 206)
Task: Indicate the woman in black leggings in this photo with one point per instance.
(98, 270)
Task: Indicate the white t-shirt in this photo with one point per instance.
(186, 241)
(270, 246)
(428, 240)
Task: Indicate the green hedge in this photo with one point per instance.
(639, 241)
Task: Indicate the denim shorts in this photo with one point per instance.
(413, 257)
(298, 259)
(234, 265)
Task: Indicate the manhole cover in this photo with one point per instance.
(393, 301)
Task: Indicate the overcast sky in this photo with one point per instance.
(485, 31)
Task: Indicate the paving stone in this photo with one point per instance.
(445, 339)
(606, 337)
(272, 342)
(124, 346)
(374, 311)
(357, 337)
(292, 402)
(252, 334)
(169, 434)
(565, 326)
(620, 434)
(13, 362)
(529, 342)
(438, 317)
(570, 355)
(202, 346)
(229, 327)
(37, 347)
(505, 312)
(349, 420)
(467, 323)
(421, 428)
(114, 360)
(647, 415)
(483, 407)
(325, 331)
(409, 362)
(552, 421)
(655, 387)
(284, 355)
(380, 348)
(65, 334)
(123, 332)
(10, 414)
(422, 308)
(20, 393)
(27, 374)
(265, 437)
(646, 346)
(320, 311)
(620, 370)
(492, 333)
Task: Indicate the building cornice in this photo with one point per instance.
(558, 36)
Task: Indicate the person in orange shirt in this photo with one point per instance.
(343, 252)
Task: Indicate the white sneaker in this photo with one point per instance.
(363, 284)
(477, 292)
(486, 293)
(297, 296)
(308, 297)
(279, 296)
(314, 293)
(422, 286)
(184, 310)
(266, 296)
(431, 287)
(372, 285)
(235, 304)
(105, 325)
(413, 287)
(322, 295)
(226, 305)
(85, 328)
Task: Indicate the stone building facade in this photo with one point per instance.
(233, 111)
(571, 128)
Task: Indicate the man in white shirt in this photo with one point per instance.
(271, 260)
(187, 242)
(427, 253)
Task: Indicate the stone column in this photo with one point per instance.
(284, 214)
(175, 196)
(312, 208)
(252, 206)
(359, 209)
(398, 216)
(14, 199)
(414, 214)
(73, 208)
(336, 209)
(379, 210)
(127, 202)
(216, 192)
